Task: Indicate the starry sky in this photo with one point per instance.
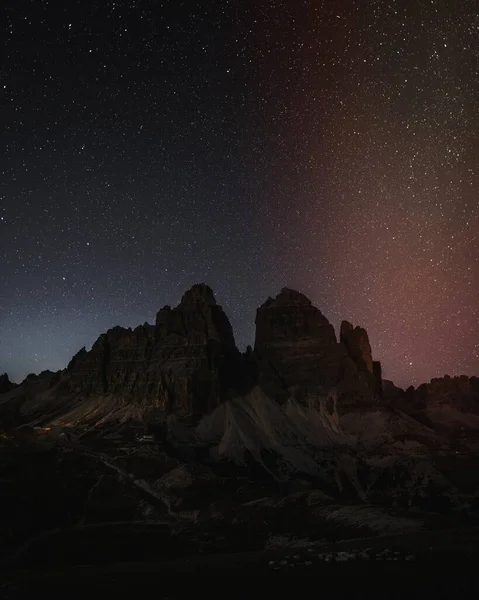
(330, 146)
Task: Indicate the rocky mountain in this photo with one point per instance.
(445, 402)
(183, 365)
(460, 393)
(187, 366)
(301, 426)
(297, 353)
(5, 384)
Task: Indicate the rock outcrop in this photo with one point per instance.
(5, 384)
(298, 353)
(299, 439)
(187, 363)
(459, 394)
(357, 344)
(29, 392)
(183, 364)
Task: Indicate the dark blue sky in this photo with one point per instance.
(151, 145)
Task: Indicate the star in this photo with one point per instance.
(330, 148)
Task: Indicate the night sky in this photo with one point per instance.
(330, 146)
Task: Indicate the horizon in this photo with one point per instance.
(241, 348)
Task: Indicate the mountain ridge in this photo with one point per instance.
(299, 436)
(188, 362)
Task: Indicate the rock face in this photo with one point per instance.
(27, 393)
(183, 364)
(290, 317)
(304, 446)
(356, 340)
(113, 363)
(457, 393)
(378, 378)
(187, 363)
(461, 393)
(5, 384)
(357, 344)
(392, 394)
(298, 353)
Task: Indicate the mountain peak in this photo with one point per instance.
(199, 293)
(5, 384)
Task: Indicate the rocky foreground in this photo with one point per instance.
(438, 566)
(166, 442)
